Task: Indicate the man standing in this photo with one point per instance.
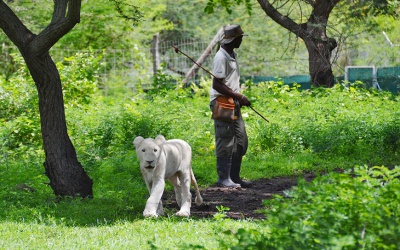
(230, 136)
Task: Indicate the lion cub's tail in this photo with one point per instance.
(198, 198)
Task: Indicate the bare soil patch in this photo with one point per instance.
(244, 203)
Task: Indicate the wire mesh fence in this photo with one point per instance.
(179, 64)
(138, 62)
(135, 65)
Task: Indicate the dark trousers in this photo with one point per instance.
(230, 137)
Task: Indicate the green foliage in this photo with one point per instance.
(222, 210)
(358, 209)
(79, 76)
(17, 92)
(104, 24)
(19, 102)
(128, 11)
(162, 83)
(18, 110)
(202, 89)
(114, 24)
(339, 121)
(267, 51)
(227, 4)
(315, 131)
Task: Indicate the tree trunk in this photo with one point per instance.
(313, 33)
(319, 59)
(319, 45)
(66, 174)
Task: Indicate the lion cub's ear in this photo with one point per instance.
(160, 140)
(137, 141)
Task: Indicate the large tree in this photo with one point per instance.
(311, 29)
(313, 33)
(66, 174)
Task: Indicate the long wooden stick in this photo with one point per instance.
(259, 114)
(178, 50)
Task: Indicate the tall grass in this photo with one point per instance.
(315, 131)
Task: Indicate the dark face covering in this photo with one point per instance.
(229, 47)
(236, 42)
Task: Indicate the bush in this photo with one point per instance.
(355, 210)
(351, 122)
(18, 110)
(79, 76)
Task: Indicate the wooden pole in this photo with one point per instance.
(192, 71)
(156, 58)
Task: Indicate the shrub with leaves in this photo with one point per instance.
(79, 75)
(359, 209)
(19, 109)
(162, 83)
(351, 121)
(19, 112)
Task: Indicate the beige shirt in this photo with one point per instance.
(227, 68)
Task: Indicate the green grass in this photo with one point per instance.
(313, 131)
(165, 233)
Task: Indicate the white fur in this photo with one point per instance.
(162, 160)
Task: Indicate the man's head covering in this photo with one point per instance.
(231, 32)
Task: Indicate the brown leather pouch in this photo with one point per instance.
(224, 109)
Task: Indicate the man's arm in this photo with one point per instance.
(218, 85)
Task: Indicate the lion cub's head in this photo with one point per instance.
(148, 150)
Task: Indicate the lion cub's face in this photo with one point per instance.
(148, 151)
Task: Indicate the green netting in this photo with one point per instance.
(303, 80)
(364, 74)
(389, 78)
(257, 79)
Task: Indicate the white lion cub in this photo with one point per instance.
(162, 160)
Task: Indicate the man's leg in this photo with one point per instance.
(223, 168)
(224, 146)
(235, 172)
(241, 149)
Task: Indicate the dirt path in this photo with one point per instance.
(243, 202)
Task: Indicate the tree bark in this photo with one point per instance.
(313, 33)
(319, 58)
(66, 174)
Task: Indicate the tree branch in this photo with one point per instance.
(319, 17)
(65, 16)
(282, 20)
(12, 26)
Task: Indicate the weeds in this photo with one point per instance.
(355, 210)
(314, 131)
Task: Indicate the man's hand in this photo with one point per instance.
(244, 101)
(226, 91)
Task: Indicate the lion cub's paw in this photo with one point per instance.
(183, 214)
(150, 215)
